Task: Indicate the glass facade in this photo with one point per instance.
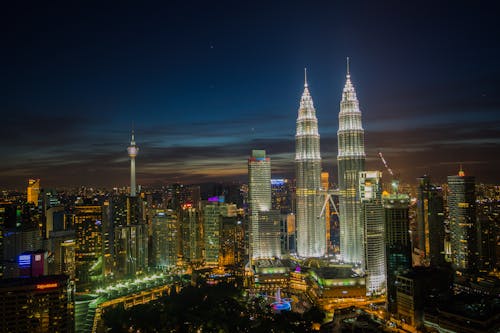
(264, 222)
(372, 215)
(462, 210)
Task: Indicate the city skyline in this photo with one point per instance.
(200, 81)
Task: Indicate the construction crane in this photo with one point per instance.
(395, 181)
(385, 163)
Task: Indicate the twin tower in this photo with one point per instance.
(310, 196)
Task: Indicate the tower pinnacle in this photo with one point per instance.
(348, 73)
(305, 77)
(132, 150)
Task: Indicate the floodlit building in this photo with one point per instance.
(211, 233)
(33, 191)
(351, 161)
(372, 215)
(192, 234)
(264, 222)
(88, 242)
(310, 224)
(165, 238)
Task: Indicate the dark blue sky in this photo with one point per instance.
(204, 82)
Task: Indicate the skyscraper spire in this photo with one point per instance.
(348, 73)
(461, 172)
(310, 225)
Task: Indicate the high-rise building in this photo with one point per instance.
(211, 232)
(310, 223)
(231, 241)
(264, 222)
(488, 224)
(89, 245)
(33, 191)
(372, 215)
(39, 304)
(397, 242)
(132, 150)
(430, 233)
(351, 161)
(128, 235)
(192, 234)
(463, 225)
(282, 195)
(165, 238)
(325, 184)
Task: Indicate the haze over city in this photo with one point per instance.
(203, 83)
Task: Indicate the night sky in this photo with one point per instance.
(204, 82)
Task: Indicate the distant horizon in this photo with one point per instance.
(385, 180)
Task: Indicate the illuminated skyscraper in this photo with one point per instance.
(351, 161)
(211, 232)
(132, 150)
(192, 234)
(310, 225)
(165, 242)
(463, 225)
(264, 222)
(372, 215)
(33, 190)
(89, 245)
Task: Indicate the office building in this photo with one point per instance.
(310, 223)
(372, 216)
(33, 191)
(264, 222)
(397, 242)
(165, 238)
(325, 184)
(88, 239)
(351, 161)
(192, 234)
(40, 304)
(211, 233)
(463, 224)
(430, 235)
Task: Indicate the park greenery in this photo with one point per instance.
(218, 309)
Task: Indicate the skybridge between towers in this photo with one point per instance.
(329, 194)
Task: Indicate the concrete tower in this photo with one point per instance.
(132, 150)
(311, 230)
(351, 161)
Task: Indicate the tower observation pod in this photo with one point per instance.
(132, 150)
